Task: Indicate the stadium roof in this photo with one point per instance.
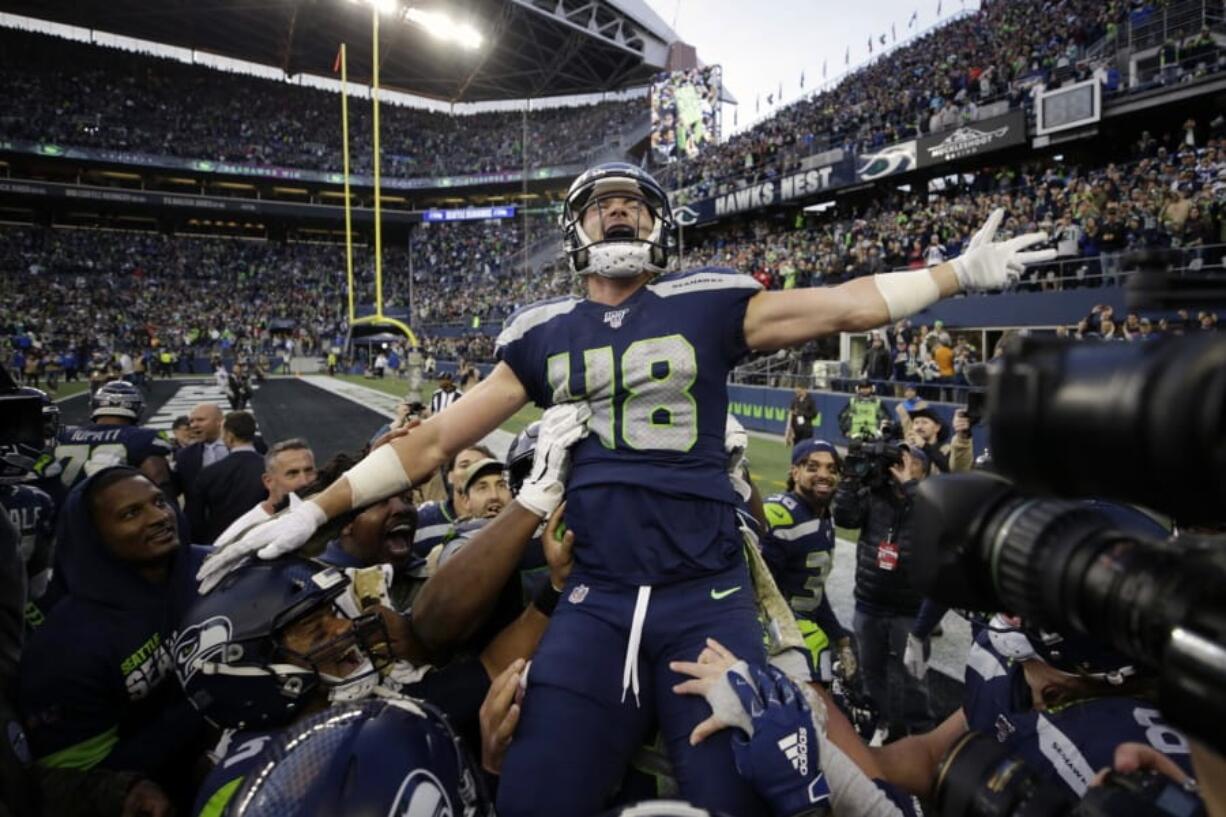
(532, 48)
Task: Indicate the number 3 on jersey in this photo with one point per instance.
(648, 395)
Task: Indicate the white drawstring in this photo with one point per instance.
(630, 671)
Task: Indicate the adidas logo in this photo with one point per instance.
(795, 748)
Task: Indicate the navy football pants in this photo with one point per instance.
(576, 736)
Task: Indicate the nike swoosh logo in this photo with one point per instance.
(723, 594)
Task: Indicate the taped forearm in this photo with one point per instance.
(854, 793)
(377, 477)
(906, 293)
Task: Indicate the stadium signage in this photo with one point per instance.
(272, 172)
(469, 214)
(973, 139)
(757, 195)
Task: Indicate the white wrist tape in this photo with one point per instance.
(906, 293)
(377, 477)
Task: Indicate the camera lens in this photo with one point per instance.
(979, 778)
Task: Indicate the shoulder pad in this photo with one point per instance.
(777, 516)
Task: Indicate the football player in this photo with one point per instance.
(660, 567)
(30, 509)
(114, 437)
(799, 543)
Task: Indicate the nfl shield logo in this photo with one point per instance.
(578, 594)
(614, 317)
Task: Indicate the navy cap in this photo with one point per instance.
(804, 448)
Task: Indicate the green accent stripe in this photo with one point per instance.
(216, 804)
(84, 755)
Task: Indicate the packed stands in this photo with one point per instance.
(81, 95)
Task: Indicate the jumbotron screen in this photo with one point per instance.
(684, 113)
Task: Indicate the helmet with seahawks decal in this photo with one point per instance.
(628, 245)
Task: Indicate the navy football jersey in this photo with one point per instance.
(1068, 743)
(32, 513)
(799, 550)
(235, 756)
(654, 370)
(83, 450)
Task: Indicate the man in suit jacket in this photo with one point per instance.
(205, 422)
(227, 489)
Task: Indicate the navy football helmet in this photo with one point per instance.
(621, 252)
(661, 808)
(387, 757)
(119, 398)
(18, 459)
(230, 654)
(519, 456)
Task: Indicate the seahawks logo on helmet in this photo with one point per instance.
(200, 643)
(421, 795)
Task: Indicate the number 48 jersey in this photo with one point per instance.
(654, 370)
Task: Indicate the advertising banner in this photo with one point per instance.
(974, 139)
(754, 196)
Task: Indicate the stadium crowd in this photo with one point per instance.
(1170, 193)
(935, 83)
(74, 94)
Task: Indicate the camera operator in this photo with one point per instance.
(892, 620)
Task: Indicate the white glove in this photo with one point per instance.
(913, 657)
(562, 426)
(282, 534)
(989, 264)
(736, 442)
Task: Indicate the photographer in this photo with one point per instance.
(892, 621)
(924, 429)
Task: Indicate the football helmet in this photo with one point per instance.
(661, 808)
(621, 252)
(119, 398)
(18, 459)
(1072, 653)
(230, 655)
(520, 454)
(387, 756)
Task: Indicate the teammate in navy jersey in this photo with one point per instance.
(113, 437)
(799, 543)
(659, 566)
(30, 509)
(1062, 704)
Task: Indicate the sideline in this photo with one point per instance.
(384, 404)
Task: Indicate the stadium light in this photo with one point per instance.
(436, 23)
(442, 27)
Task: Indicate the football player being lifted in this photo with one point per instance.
(642, 361)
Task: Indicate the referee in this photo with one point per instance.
(445, 394)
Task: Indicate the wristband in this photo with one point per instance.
(546, 599)
(906, 293)
(376, 477)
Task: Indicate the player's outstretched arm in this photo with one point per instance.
(775, 320)
(388, 470)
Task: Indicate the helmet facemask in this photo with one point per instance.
(356, 658)
(634, 228)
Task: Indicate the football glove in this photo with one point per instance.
(781, 756)
(282, 534)
(989, 264)
(561, 427)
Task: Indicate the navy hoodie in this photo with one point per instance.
(97, 682)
